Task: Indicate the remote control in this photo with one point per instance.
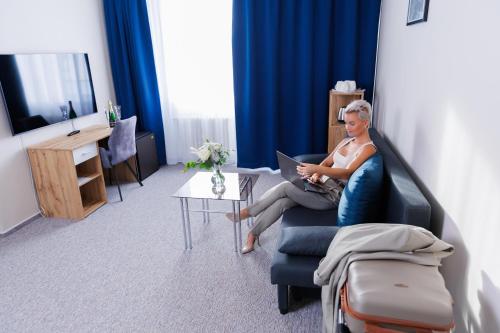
(74, 132)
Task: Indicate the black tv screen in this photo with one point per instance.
(37, 89)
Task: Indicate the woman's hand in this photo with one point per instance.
(306, 170)
(314, 178)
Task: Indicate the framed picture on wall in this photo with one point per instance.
(417, 11)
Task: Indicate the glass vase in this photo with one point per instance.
(217, 177)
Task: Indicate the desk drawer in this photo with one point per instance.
(84, 153)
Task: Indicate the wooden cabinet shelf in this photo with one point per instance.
(93, 195)
(84, 179)
(88, 170)
(336, 129)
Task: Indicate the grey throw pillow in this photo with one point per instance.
(309, 241)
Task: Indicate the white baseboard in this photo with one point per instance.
(20, 225)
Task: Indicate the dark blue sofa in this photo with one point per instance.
(400, 202)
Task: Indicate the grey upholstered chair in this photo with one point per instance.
(121, 145)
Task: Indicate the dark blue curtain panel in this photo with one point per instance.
(132, 64)
(287, 55)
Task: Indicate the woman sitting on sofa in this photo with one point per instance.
(332, 174)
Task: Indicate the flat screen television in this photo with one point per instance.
(44, 89)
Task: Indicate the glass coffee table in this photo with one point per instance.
(237, 188)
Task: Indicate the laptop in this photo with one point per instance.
(288, 168)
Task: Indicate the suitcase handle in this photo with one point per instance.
(375, 328)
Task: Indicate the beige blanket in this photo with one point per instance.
(372, 241)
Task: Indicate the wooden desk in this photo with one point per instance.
(68, 174)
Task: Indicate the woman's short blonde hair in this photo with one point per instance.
(361, 107)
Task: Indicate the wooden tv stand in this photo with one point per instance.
(68, 174)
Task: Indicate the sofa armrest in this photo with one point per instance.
(311, 158)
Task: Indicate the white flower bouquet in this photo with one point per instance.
(210, 155)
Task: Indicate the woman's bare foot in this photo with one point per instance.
(244, 214)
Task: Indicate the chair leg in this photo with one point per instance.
(136, 173)
(137, 169)
(283, 298)
(117, 183)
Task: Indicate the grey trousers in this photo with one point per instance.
(281, 197)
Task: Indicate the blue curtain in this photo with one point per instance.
(287, 55)
(132, 64)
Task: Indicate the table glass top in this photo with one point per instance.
(200, 186)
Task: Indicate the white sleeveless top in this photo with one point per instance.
(341, 161)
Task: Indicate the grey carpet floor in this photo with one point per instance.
(124, 269)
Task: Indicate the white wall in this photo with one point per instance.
(437, 102)
(48, 26)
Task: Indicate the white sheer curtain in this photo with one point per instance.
(193, 57)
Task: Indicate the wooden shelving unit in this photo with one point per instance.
(93, 195)
(338, 100)
(68, 174)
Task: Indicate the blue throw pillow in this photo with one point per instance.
(361, 192)
(307, 241)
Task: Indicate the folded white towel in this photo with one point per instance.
(345, 86)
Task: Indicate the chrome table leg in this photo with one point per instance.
(239, 225)
(251, 220)
(203, 207)
(190, 241)
(207, 207)
(184, 224)
(234, 227)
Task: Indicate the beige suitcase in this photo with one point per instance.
(389, 296)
